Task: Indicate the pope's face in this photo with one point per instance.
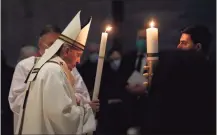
(72, 57)
(75, 56)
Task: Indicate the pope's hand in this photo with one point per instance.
(137, 88)
(78, 101)
(95, 105)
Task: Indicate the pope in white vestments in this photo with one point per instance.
(16, 95)
(50, 105)
(17, 90)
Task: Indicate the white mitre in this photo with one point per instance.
(73, 34)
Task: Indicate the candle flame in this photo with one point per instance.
(109, 28)
(152, 24)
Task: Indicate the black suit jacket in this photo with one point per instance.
(182, 96)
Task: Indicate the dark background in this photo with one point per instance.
(22, 20)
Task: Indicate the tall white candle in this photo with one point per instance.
(103, 44)
(100, 64)
(152, 41)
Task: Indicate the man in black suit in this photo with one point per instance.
(181, 98)
(198, 38)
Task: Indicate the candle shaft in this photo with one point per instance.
(100, 65)
(103, 44)
(98, 78)
(152, 40)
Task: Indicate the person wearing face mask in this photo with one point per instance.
(115, 60)
(134, 93)
(115, 64)
(93, 57)
(110, 115)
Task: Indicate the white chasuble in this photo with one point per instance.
(51, 106)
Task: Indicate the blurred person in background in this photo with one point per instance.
(26, 52)
(111, 115)
(47, 37)
(134, 61)
(16, 96)
(114, 57)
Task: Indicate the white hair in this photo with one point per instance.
(27, 51)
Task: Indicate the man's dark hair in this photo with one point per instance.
(50, 28)
(199, 34)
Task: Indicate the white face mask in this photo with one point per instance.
(93, 57)
(115, 64)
